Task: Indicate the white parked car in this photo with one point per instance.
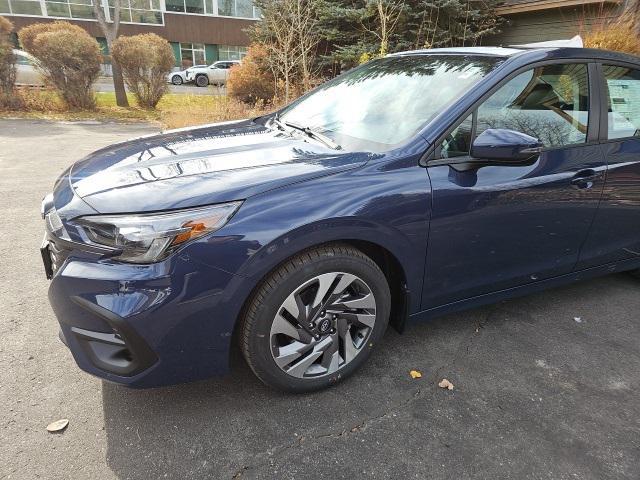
(26, 71)
(180, 76)
(215, 74)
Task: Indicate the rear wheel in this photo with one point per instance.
(316, 319)
(202, 80)
(176, 80)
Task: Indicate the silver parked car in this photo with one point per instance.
(27, 72)
(215, 74)
(180, 76)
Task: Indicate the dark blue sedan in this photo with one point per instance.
(415, 185)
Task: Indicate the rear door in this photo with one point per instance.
(495, 227)
(616, 230)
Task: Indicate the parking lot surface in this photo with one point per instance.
(105, 84)
(546, 386)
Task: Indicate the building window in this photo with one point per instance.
(21, 7)
(138, 11)
(237, 8)
(198, 7)
(231, 52)
(192, 54)
(69, 8)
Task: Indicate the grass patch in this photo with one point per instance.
(173, 111)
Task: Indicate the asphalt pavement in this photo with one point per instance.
(105, 84)
(545, 386)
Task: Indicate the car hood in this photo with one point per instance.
(193, 167)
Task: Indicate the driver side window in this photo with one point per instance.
(550, 103)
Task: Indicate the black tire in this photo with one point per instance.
(176, 80)
(262, 307)
(635, 273)
(202, 80)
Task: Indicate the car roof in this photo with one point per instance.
(505, 52)
(489, 51)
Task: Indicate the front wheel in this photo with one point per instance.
(316, 319)
(176, 80)
(202, 80)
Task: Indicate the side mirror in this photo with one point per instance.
(506, 145)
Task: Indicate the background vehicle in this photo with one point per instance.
(215, 74)
(302, 234)
(26, 71)
(180, 76)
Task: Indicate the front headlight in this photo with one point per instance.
(147, 238)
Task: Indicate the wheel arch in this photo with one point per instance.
(383, 257)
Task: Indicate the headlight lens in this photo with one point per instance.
(147, 238)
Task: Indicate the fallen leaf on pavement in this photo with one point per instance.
(58, 425)
(444, 383)
(415, 374)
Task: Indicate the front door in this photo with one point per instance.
(495, 227)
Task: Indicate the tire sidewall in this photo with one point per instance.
(198, 77)
(260, 338)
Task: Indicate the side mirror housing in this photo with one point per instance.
(506, 145)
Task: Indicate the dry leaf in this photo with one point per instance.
(415, 374)
(58, 425)
(444, 383)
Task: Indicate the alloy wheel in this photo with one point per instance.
(323, 325)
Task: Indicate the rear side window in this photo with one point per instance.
(623, 85)
(550, 103)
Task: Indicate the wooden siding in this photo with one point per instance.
(556, 24)
(177, 28)
(519, 6)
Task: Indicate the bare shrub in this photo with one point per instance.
(8, 98)
(195, 110)
(145, 60)
(69, 59)
(252, 80)
(618, 35)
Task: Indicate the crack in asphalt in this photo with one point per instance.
(462, 350)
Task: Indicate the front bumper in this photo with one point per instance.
(145, 325)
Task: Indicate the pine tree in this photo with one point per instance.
(348, 27)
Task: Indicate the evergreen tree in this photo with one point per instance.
(346, 27)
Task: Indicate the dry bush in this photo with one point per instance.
(41, 100)
(8, 99)
(69, 59)
(252, 80)
(145, 61)
(6, 27)
(192, 111)
(619, 35)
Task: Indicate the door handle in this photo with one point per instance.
(585, 178)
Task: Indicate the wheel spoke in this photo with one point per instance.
(366, 319)
(350, 349)
(331, 357)
(290, 353)
(298, 369)
(282, 326)
(325, 282)
(367, 302)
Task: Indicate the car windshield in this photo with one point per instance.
(385, 102)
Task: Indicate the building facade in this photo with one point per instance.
(200, 31)
(542, 20)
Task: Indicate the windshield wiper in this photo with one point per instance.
(311, 133)
(281, 126)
